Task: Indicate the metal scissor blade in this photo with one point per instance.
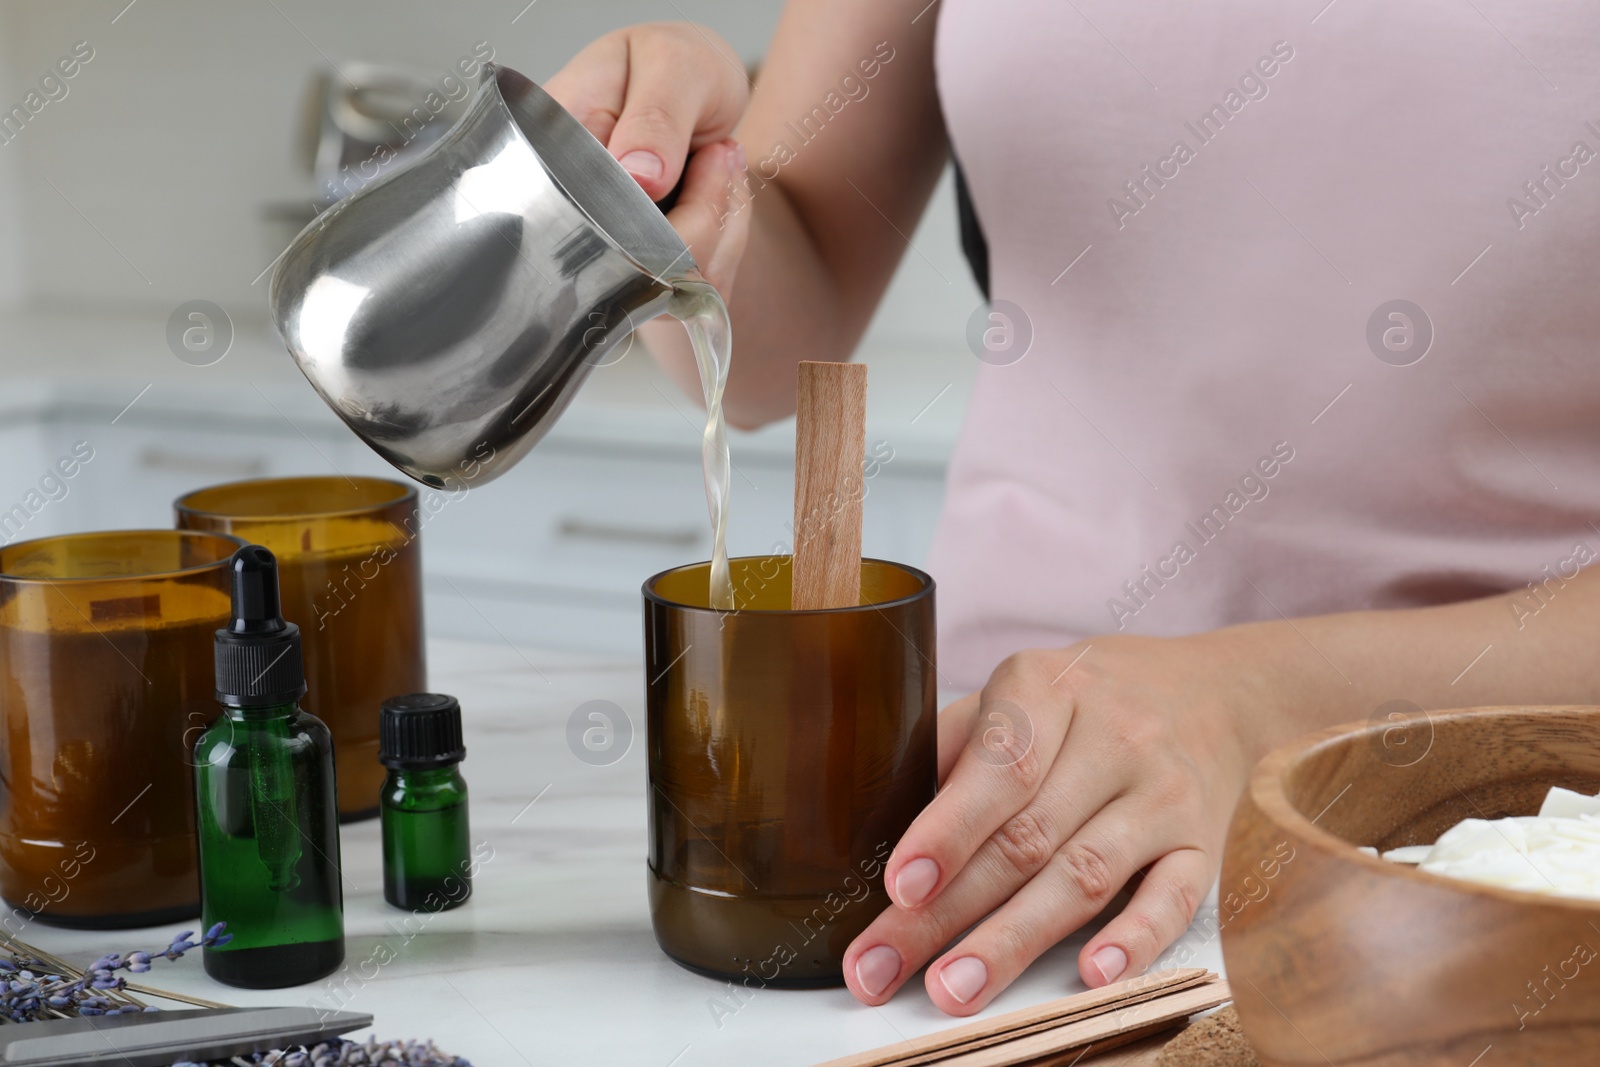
(159, 1038)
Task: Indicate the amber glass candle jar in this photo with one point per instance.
(105, 683)
(350, 576)
(788, 751)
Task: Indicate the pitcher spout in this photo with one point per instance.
(450, 310)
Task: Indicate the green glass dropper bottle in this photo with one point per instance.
(426, 841)
(268, 818)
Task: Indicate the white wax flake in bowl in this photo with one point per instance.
(1555, 852)
(1408, 854)
(1565, 804)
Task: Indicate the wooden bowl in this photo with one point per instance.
(1337, 957)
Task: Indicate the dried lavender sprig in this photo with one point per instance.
(101, 973)
(343, 1052)
(177, 998)
(32, 988)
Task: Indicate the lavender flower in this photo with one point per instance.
(31, 989)
(346, 1053)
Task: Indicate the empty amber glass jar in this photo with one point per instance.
(788, 751)
(105, 682)
(350, 576)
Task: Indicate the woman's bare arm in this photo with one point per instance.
(1135, 752)
(842, 140)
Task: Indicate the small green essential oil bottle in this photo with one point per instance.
(427, 864)
(268, 817)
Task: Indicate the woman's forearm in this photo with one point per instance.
(845, 142)
(784, 309)
(1529, 646)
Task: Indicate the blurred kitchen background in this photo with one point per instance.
(175, 164)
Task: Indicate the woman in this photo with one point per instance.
(1236, 489)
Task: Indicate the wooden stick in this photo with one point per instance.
(1054, 1024)
(1112, 1049)
(1139, 1052)
(1171, 1008)
(1090, 1004)
(830, 446)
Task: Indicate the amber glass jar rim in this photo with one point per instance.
(141, 576)
(920, 575)
(407, 494)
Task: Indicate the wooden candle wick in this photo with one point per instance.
(1061, 1031)
(829, 449)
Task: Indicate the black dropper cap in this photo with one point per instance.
(258, 654)
(420, 731)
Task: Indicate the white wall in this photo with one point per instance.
(146, 185)
(11, 248)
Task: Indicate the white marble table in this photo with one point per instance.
(553, 961)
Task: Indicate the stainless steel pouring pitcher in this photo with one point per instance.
(449, 311)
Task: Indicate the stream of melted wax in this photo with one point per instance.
(699, 307)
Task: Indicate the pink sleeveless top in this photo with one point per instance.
(1311, 309)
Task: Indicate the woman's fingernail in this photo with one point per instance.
(1110, 961)
(877, 967)
(915, 881)
(738, 152)
(965, 978)
(642, 164)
